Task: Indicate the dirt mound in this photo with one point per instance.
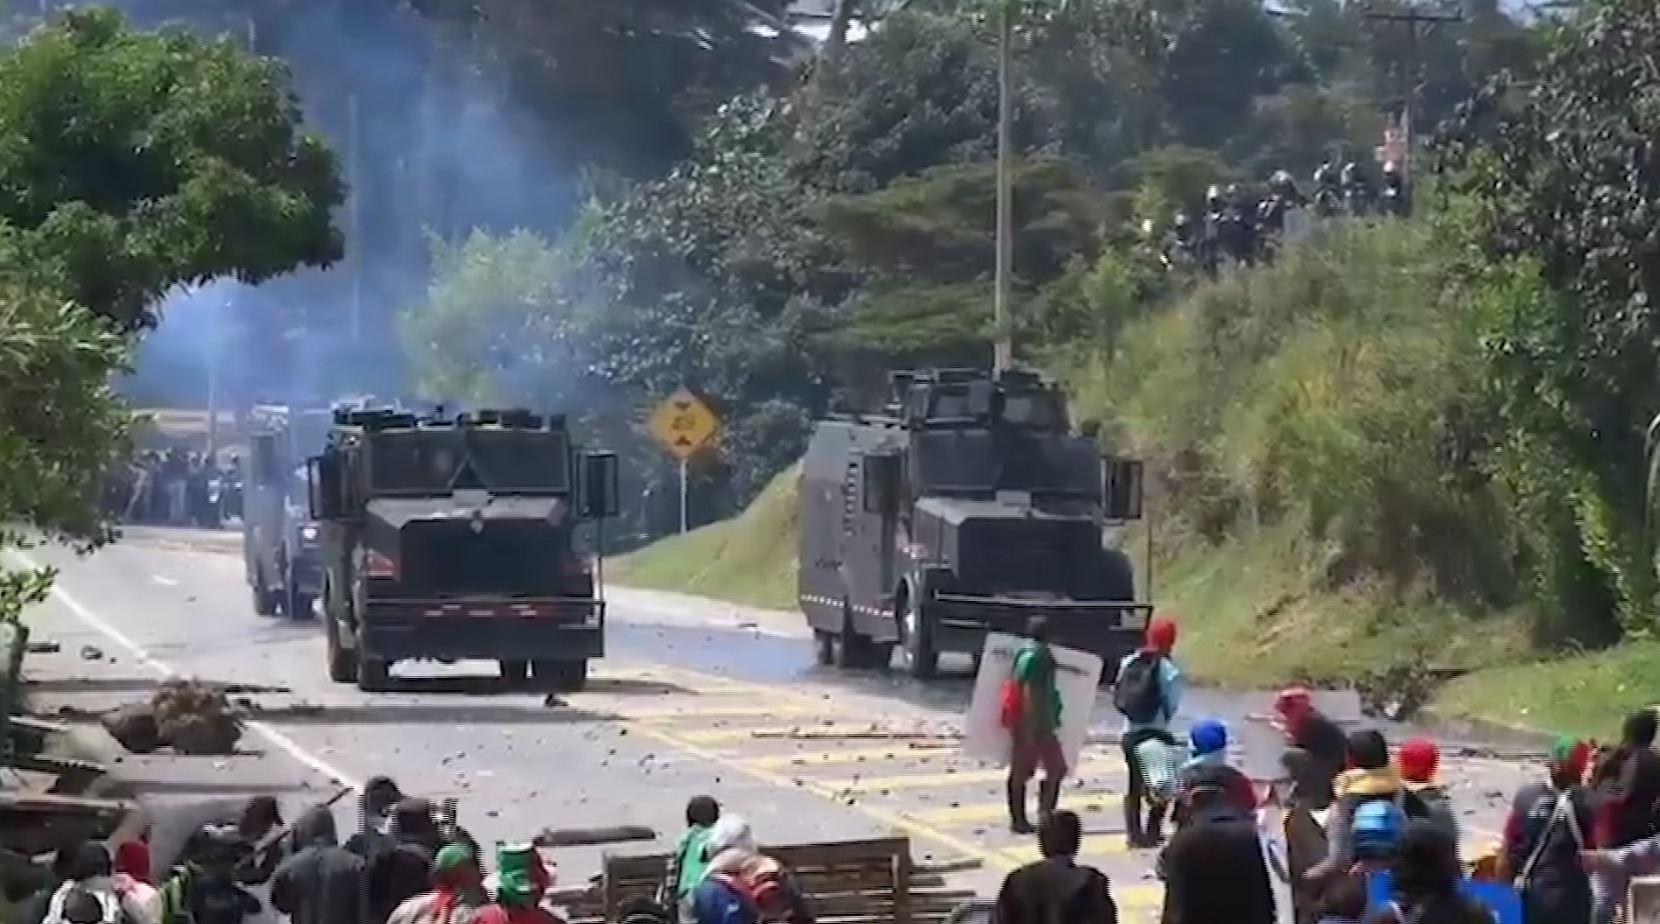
(189, 716)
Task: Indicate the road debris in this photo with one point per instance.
(189, 716)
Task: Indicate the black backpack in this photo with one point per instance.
(1139, 692)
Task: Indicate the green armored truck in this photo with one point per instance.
(460, 538)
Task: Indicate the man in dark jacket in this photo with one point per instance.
(1548, 827)
(1316, 747)
(1055, 889)
(1627, 787)
(1214, 871)
(322, 882)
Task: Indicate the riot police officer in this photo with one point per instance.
(1358, 194)
(1395, 200)
(1328, 198)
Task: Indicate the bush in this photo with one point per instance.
(1334, 390)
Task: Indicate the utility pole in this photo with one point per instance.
(1003, 356)
(355, 244)
(1412, 19)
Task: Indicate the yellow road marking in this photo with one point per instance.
(714, 711)
(896, 751)
(776, 732)
(948, 778)
(998, 811)
(1141, 895)
(917, 780)
(1094, 845)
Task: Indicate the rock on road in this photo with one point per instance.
(694, 697)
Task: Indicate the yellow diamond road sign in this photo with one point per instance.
(683, 423)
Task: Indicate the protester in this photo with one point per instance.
(1373, 779)
(1147, 693)
(1209, 768)
(1056, 889)
(456, 890)
(1376, 832)
(415, 823)
(1419, 761)
(261, 817)
(1032, 715)
(1544, 835)
(132, 877)
(34, 908)
(1627, 785)
(689, 862)
(92, 873)
(1214, 869)
(321, 882)
(1344, 901)
(744, 886)
(1426, 882)
(1316, 748)
(521, 882)
(380, 794)
(203, 890)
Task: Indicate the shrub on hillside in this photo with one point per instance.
(1334, 388)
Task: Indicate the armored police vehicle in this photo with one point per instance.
(452, 539)
(966, 507)
(279, 538)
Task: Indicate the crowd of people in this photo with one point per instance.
(1242, 226)
(176, 488)
(1367, 834)
(409, 863)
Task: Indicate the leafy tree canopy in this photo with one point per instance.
(131, 162)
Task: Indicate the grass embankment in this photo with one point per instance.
(749, 559)
(1318, 514)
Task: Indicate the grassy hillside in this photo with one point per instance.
(749, 559)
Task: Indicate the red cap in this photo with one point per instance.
(133, 858)
(1161, 634)
(1419, 759)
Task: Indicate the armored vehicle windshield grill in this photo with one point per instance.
(1001, 555)
(448, 558)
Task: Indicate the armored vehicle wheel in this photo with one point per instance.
(514, 673)
(824, 647)
(564, 676)
(297, 604)
(373, 676)
(921, 660)
(342, 664)
(265, 602)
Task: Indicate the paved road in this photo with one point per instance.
(694, 697)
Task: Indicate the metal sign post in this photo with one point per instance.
(684, 425)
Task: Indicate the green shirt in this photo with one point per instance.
(692, 861)
(1034, 670)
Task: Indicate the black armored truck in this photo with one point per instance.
(966, 506)
(279, 537)
(460, 538)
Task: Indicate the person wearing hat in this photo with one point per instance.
(521, 880)
(1549, 824)
(1209, 768)
(1419, 760)
(1316, 748)
(689, 862)
(456, 890)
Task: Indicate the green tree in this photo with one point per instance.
(1561, 188)
(131, 162)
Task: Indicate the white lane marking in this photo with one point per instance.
(163, 581)
(281, 741)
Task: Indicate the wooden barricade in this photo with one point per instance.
(847, 882)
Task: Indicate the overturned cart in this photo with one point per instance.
(851, 882)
